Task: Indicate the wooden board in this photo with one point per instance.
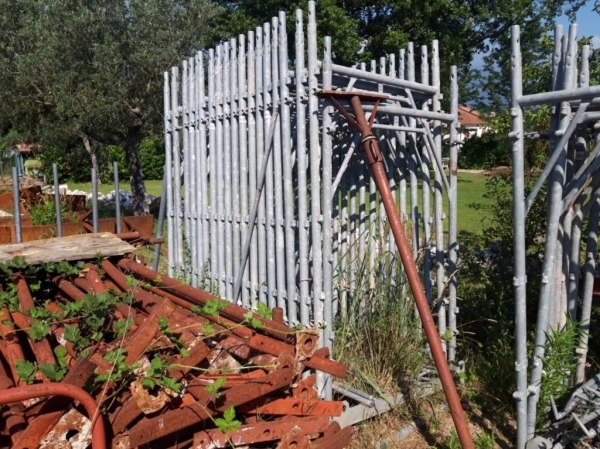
(75, 247)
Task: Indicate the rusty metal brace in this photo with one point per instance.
(375, 160)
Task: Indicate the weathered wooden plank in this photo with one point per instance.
(75, 247)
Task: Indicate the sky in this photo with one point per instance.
(588, 23)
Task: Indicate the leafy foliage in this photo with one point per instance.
(74, 164)
(25, 370)
(493, 148)
(157, 374)
(72, 333)
(8, 298)
(121, 327)
(64, 267)
(367, 30)
(333, 19)
(485, 152)
(560, 362)
(84, 75)
(163, 325)
(212, 307)
(45, 213)
(486, 282)
(252, 321)
(228, 421)
(152, 157)
(91, 312)
(38, 330)
(494, 19)
(120, 369)
(216, 386)
(54, 371)
(263, 310)
(40, 313)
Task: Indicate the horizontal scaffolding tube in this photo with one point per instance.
(407, 129)
(383, 79)
(411, 112)
(557, 96)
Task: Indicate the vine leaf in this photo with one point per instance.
(38, 330)
(215, 386)
(228, 421)
(25, 370)
(72, 333)
(264, 310)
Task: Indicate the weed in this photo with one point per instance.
(45, 213)
(157, 374)
(121, 369)
(215, 387)
(380, 336)
(228, 421)
(8, 298)
(482, 441)
(25, 370)
(485, 441)
(560, 362)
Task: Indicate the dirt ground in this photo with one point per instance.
(433, 428)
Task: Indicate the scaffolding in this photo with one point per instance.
(267, 199)
(573, 198)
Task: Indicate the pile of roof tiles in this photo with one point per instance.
(168, 365)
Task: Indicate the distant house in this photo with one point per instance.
(470, 123)
(27, 149)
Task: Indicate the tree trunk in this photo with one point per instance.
(136, 177)
(88, 147)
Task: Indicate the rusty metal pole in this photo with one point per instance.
(375, 160)
(23, 393)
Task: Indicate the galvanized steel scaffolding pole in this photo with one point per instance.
(519, 270)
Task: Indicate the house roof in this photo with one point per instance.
(468, 117)
(27, 147)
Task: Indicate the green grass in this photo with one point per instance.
(471, 188)
(153, 187)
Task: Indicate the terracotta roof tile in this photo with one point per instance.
(469, 117)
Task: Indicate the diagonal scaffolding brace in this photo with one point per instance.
(378, 172)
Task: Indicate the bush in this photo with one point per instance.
(152, 157)
(45, 213)
(488, 151)
(117, 154)
(486, 286)
(74, 164)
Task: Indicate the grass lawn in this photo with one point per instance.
(471, 187)
(153, 186)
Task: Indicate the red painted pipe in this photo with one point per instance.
(19, 394)
(375, 160)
